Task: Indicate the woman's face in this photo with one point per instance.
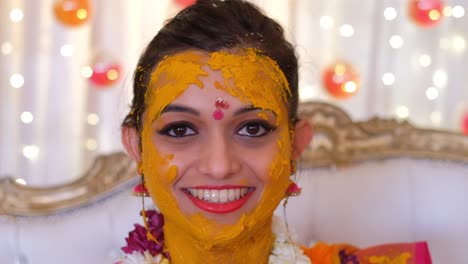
(222, 163)
(216, 144)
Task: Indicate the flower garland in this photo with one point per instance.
(142, 249)
(284, 251)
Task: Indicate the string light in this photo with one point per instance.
(432, 93)
(66, 50)
(308, 92)
(402, 111)
(81, 14)
(436, 117)
(439, 78)
(458, 11)
(455, 44)
(16, 15)
(21, 181)
(396, 41)
(458, 43)
(91, 144)
(16, 80)
(388, 78)
(27, 117)
(346, 30)
(425, 60)
(350, 87)
(7, 48)
(434, 15)
(93, 119)
(390, 13)
(326, 22)
(86, 71)
(447, 11)
(31, 152)
(112, 75)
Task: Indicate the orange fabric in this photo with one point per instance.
(323, 253)
(402, 253)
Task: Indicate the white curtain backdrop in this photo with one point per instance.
(54, 121)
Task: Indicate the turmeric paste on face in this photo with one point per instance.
(252, 78)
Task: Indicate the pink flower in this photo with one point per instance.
(137, 239)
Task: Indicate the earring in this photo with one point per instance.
(293, 188)
(140, 189)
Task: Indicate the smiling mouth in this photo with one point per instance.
(219, 199)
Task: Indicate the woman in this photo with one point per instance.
(213, 129)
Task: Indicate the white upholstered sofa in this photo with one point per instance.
(363, 183)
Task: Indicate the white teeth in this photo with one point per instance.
(223, 196)
(218, 196)
(214, 196)
(206, 195)
(237, 193)
(232, 195)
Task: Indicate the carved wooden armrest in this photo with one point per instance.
(338, 140)
(108, 174)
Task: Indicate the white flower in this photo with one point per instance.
(284, 250)
(138, 258)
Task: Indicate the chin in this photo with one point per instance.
(226, 219)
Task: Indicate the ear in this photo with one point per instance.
(302, 137)
(131, 142)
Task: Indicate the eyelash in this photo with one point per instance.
(169, 130)
(268, 128)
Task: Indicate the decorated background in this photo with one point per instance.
(66, 69)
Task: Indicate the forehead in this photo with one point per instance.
(244, 74)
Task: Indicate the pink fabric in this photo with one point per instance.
(421, 252)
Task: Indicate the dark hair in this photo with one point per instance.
(213, 25)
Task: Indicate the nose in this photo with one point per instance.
(219, 159)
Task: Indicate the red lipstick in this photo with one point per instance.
(220, 208)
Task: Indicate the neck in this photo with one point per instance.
(250, 246)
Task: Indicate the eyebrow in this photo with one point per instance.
(250, 108)
(190, 110)
(180, 108)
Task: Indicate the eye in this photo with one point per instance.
(255, 129)
(178, 130)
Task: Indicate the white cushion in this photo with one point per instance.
(375, 202)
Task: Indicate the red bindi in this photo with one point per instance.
(220, 104)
